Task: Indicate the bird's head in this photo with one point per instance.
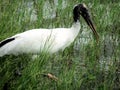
(81, 9)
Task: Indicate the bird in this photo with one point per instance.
(52, 40)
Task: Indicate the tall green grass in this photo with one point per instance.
(81, 66)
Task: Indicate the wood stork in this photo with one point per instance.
(36, 40)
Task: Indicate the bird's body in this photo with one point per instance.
(36, 40)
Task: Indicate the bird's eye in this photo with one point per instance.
(80, 12)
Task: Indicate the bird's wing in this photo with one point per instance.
(2, 43)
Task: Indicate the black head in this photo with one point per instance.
(82, 10)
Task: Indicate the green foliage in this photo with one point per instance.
(89, 66)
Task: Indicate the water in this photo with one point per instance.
(108, 41)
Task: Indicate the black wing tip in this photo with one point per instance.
(6, 41)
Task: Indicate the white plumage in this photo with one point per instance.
(36, 40)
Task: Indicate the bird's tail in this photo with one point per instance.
(3, 46)
(6, 41)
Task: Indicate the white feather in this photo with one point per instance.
(36, 40)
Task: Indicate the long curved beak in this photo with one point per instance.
(90, 24)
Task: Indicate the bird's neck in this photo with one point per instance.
(76, 28)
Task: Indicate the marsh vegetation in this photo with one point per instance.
(85, 65)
